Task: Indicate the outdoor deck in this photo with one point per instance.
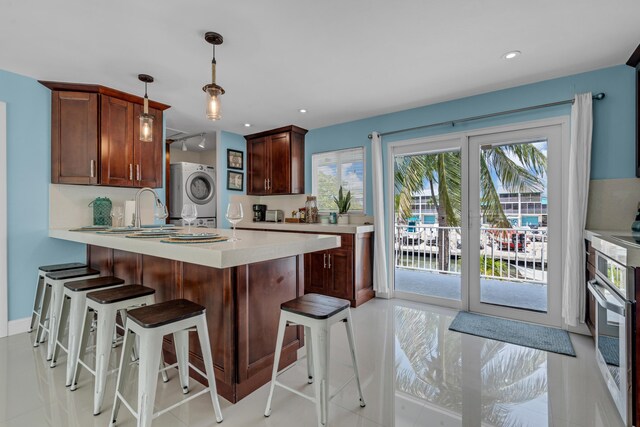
(530, 296)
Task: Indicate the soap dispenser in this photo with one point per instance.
(635, 227)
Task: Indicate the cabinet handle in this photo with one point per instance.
(329, 260)
(268, 183)
(325, 260)
(138, 172)
(130, 172)
(93, 168)
(265, 184)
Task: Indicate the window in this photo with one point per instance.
(335, 168)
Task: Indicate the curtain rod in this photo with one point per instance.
(597, 97)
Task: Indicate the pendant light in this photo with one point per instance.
(146, 119)
(212, 90)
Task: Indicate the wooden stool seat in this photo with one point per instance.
(315, 306)
(72, 274)
(123, 293)
(91, 284)
(60, 267)
(153, 316)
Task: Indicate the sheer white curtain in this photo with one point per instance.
(573, 279)
(380, 276)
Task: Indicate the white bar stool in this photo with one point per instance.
(75, 297)
(317, 313)
(106, 304)
(38, 299)
(52, 302)
(151, 324)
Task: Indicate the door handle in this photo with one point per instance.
(130, 172)
(138, 172)
(329, 260)
(93, 168)
(602, 299)
(324, 257)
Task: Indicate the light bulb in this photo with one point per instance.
(184, 146)
(213, 103)
(146, 128)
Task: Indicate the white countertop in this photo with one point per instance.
(310, 228)
(253, 246)
(630, 253)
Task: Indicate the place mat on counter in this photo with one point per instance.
(212, 240)
(115, 231)
(90, 228)
(150, 236)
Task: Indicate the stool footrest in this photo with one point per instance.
(294, 391)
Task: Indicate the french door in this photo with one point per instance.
(484, 231)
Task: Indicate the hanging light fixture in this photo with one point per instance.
(212, 90)
(146, 119)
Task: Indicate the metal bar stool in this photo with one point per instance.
(52, 302)
(75, 297)
(317, 313)
(106, 304)
(151, 324)
(37, 301)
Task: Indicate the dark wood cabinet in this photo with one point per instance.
(243, 308)
(345, 272)
(275, 161)
(95, 137)
(74, 138)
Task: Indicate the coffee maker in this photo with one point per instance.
(259, 213)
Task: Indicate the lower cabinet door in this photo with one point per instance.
(315, 272)
(340, 268)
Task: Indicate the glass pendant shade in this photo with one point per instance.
(214, 106)
(146, 127)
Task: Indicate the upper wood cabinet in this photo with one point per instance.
(95, 137)
(275, 161)
(634, 61)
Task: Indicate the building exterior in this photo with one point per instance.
(522, 209)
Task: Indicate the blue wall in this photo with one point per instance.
(238, 143)
(613, 152)
(29, 172)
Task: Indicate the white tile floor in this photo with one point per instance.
(415, 372)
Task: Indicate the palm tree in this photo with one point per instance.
(517, 167)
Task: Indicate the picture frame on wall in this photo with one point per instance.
(235, 159)
(235, 181)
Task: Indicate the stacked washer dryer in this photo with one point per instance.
(193, 183)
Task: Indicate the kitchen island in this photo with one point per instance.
(241, 284)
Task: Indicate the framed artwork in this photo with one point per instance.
(235, 181)
(235, 159)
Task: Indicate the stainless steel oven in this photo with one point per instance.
(613, 289)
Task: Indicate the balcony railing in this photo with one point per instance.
(510, 254)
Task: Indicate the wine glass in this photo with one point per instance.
(189, 214)
(117, 214)
(160, 213)
(234, 215)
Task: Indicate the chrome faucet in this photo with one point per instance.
(137, 222)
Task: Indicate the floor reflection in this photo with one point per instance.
(466, 380)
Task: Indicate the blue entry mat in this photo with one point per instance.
(514, 332)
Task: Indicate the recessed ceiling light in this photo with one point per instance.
(247, 125)
(511, 55)
(302, 110)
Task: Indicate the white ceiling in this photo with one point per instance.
(342, 60)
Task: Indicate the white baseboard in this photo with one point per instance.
(19, 326)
